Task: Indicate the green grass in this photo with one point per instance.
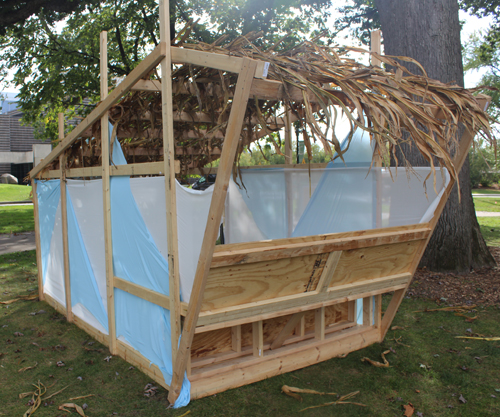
(13, 192)
(16, 219)
(490, 229)
(435, 363)
(485, 191)
(487, 204)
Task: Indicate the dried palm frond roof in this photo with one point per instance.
(315, 84)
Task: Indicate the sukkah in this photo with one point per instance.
(130, 255)
(310, 84)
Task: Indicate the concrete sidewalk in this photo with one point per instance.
(17, 242)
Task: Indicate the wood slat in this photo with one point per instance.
(297, 247)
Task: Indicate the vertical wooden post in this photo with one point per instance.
(64, 220)
(376, 46)
(288, 139)
(37, 240)
(236, 338)
(367, 311)
(288, 179)
(258, 338)
(170, 192)
(106, 198)
(319, 323)
(378, 310)
(351, 311)
(234, 126)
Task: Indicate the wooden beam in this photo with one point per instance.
(236, 338)
(319, 323)
(37, 240)
(303, 248)
(376, 46)
(212, 229)
(328, 271)
(301, 302)
(154, 297)
(167, 110)
(258, 339)
(64, 221)
(213, 60)
(287, 330)
(368, 311)
(378, 310)
(146, 65)
(106, 198)
(142, 168)
(248, 369)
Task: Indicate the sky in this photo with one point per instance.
(472, 24)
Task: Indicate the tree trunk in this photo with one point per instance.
(429, 31)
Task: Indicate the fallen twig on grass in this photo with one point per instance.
(294, 392)
(81, 398)
(457, 309)
(489, 339)
(28, 367)
(398, 341)
(378, 364)
(21, 297)
(341, 400)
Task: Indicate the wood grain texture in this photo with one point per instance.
(242, 284)
(300, 302)
(245, 370)
(318, 244)
(372, 263)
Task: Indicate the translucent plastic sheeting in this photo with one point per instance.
(83, 284)
(49, 208)
(86, 197)
(346, 196)
(49, 196)
(269, 203)
(146, 327)
(192, 213)
(136, 258)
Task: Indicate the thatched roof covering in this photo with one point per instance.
(308, 80)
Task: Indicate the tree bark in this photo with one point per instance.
(429, 32)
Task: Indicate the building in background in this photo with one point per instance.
(16, 140)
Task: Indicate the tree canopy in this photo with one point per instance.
(56, 65)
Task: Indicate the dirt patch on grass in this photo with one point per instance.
(480, 287)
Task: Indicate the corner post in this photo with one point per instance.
(37, 240)
(170, 183)
(106, 198)
(64, 220)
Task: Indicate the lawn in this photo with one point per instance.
(487, 204)
(429, 367)
(16, 219)
(490, 229)
(13, 192)
(485, 191)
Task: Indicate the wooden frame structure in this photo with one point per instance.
(257, 309)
